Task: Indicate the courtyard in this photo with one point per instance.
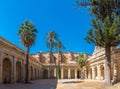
(59, 84)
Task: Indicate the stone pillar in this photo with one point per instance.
(75, 73)
(55, 72)
(29, 69)
(93, 73)
(13, 69)
(115, 73)
(61, 73)
(33, 73)
(69, 74)
(22, 71)
(98, 72)
(89, 73)
(48, 73)
(0, 69)
(85, 74)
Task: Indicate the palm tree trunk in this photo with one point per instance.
(51, 59)
(107, 67)
(27, 66)
(59, 68)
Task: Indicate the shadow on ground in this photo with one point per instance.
(72, 82)
(44, 84)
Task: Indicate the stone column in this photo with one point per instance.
(61, 73)
(33, 72)
(55, 72)
(0, 69)
(75, 73)
(69, 74)
(13, 69)
(22, 71)
(85, 74)
(29, 69)
(93, 73)
(98, 72)
(115, 73)
(48, 73)
(89, 73)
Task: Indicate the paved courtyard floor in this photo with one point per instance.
(59, 84)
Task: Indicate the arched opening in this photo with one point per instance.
(65, 74)
(95, 72)
(45, 74)
(78, 74)
(18, 72)
(6, 68)
(52, 73)
(102, 72)
(32, 77)
(72, 72)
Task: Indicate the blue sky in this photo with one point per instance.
(70, 23)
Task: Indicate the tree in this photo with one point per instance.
(60, 46)
(51, 43)
(27, 33)
(102, 8)
(81, 60)
(83, 63)
(105, 35)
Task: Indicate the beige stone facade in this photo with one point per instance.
(96, 66)
(13, 61)
(69, 68)
(12, 64)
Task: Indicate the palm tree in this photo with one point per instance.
(27, 33)
(60, 46)
(81, 60)
(105, 35)
(51, 43)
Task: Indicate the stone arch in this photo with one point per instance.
(72, 72)
(52, 73)
(45, 74)
(95, 72)
(65, 74)
(18, 71)
(102, 72)
(6, 68)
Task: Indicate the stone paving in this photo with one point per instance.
(58, 84)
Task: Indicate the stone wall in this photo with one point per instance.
(96, 67)
(12, 64)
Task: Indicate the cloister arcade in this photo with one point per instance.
(67, 72)
(13, 65)
(96, 67)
